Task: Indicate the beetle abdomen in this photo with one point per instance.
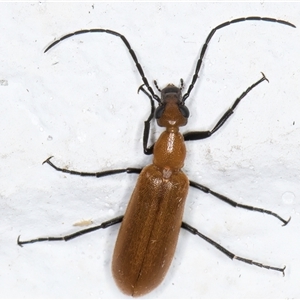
(149, 232)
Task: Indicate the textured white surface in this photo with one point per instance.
(79, 103)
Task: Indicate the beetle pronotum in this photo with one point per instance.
(150, 226)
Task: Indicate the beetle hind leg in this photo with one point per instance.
(227, 252)
(66, 238)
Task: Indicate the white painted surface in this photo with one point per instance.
(79, 103)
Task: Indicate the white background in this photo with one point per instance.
(79, 103)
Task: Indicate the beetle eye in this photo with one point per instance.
(159, 111)
(184, 111)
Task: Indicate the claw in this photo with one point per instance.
(264, 76)
(47, 160)
(286, 222)
(140, 88)
(283, 271)
(18, 241)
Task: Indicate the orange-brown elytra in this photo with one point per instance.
(150, 227)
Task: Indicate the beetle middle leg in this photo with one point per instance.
(236, 204)
(227, 252)
(66, 238)
(192, 183)
(93, 174)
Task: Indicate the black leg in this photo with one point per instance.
(235, 204)
(148, 150)
(74, 235)
(226, 252)
(95, 174)
(198, 135)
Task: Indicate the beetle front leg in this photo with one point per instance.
(199, 135)
(148, 150)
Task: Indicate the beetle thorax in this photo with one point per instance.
(169, 150)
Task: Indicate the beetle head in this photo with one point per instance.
(172, 110)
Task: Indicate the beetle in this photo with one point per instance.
(150, 227)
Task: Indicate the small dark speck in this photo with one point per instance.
(294, 123)
(3, 82)
(55, 63)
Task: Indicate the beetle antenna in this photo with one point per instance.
(122, 37)
(213, 31)
(156, 85)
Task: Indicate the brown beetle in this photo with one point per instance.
(150, 227)
(148, 235)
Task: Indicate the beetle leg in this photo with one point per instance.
(199, 135)
(94, 174)
(74, 235)
(235, 204)
(148, 150)
(227, 252)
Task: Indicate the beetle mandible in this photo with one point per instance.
(149, 229)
